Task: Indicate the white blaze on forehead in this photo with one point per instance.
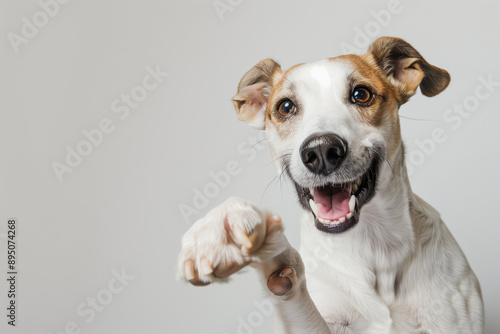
(324, 79)
(321, 75)
(321, 87)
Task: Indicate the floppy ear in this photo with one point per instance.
(253, 92)
(406, 68)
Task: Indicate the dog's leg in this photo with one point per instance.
(236, 234)
(285, 279)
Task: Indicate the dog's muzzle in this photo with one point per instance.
(336, 206)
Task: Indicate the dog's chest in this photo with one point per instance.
(360, 300)
(354, 283)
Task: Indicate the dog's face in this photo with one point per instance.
(332, 124)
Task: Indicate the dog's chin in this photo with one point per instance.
(337, 207)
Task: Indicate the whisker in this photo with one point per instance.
(281, 174)
(257, 143)
(268, 185)
(280, 157)
(286, 178)
(419, 119)
(273, 180)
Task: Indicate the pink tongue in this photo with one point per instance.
(332, 202)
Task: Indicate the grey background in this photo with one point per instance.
(119, 209)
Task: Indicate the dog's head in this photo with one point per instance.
(332, 124)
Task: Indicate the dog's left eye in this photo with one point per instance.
(285, 108)
(361, 95)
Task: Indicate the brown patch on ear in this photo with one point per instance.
(264, 71)
(250, 100)
(409, 73)
(435, 81)
(253, 92)
(406, 69)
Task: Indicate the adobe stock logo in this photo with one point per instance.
(223, 6)
(255, 319)
(90, 309)
(373, 28)
(454, 118)
(219, 180)
(31, 27)
(122, 107)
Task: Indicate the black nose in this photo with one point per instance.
(322, 153)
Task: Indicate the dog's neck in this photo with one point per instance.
(397, 182)
(386, 221)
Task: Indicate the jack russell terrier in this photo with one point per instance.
(384, 260)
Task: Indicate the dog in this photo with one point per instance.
(384, 260)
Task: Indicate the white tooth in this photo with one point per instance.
(328, 222)
(314, 207)
(352, 203)
(324, 221)
(342, 219)
(349, 215)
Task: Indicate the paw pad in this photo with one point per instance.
(282, 281)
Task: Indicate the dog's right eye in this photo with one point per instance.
(285, 108)
(361, 95)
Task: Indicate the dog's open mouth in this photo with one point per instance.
(336, 207)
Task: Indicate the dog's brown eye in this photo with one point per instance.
(286, 108)
(361, 95)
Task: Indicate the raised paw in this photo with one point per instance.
(227, 239)
(282, 281)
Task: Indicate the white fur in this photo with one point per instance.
(208, 238)
(399, 270)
